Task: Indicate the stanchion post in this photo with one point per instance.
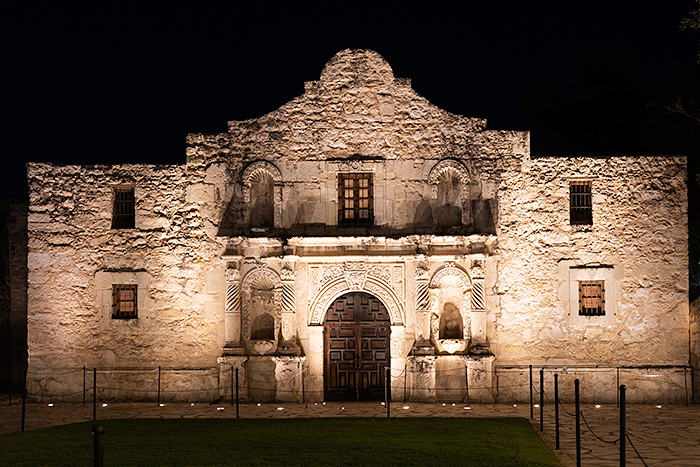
(387, 395)
(232, 394)
(237, 415)
(556, 410)
(84, 384)
(623, 424)
(532, 414)
(303, 387)
(541, 399)
(24, 406)
(159, 385)
(466, 380)
(578, 423)
(618, 386)
(94, 393)
(98, 432)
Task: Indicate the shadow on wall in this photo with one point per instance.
(445, 219)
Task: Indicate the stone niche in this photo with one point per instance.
(450, 320)
(261, 311)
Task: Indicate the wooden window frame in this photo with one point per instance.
(352, 210)
(124, 308)
(591, 298)
(123, 207)
(580, 202)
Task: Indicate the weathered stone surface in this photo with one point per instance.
(239, 253)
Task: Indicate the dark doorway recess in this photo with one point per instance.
(356, 348)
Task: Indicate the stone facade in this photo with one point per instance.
(449, 246)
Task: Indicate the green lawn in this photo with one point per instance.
(287, 442)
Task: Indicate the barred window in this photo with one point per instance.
(581, 203)
(355, 199)
(123, 210)
(124, 302)
(591, 298)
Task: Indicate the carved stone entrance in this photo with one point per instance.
(356, 348)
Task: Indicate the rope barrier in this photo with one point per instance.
(627, 435)
(593, 433)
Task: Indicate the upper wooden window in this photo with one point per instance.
(581, 203)
(124, 301)
(355, 199)
(123, 210)
(591, 298)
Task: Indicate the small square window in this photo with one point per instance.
(580, 203)
(355, 199)
(591, 298)
(123, 210)
(124, 301)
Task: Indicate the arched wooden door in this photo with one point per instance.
(356, 348)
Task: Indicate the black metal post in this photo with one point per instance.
(556, 410)
(387, 395)
(9, 376)
(532, 414)
(98, 432)
(232, 395)
(159, 385)
(466, 380)
(578, 423)
(623, 424)
(84, 384)
(541, 399)
(24, 406)
(237, 393)
(94, 393)
(618, 386)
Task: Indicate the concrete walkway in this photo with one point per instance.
(668, 435)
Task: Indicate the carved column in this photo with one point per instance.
(478, 325)
(289, 346)
(422, 305)
(233, 309)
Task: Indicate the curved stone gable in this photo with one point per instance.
(356, 67)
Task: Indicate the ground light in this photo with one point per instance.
(467, 408)
(405, 407)
(219, 408)
(104, 405)
(50, 405)
(597, 406)
(162, 405)
(280, 408)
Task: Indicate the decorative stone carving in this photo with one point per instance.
(450, 322)
(261, 309)
(450, 169)
(258, 170)
(355, 274)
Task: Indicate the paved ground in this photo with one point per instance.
(669, 435)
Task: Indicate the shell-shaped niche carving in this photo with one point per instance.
(262, 308)
(261, 314)
(451, 280)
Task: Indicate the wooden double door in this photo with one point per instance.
(356, 348)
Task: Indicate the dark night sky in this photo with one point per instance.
(87, 86)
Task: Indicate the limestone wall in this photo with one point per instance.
(75, 256)
(357, 118)
(637, 242)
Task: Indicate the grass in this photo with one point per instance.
(288, 442)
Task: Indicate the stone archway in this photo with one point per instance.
(356, 348)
